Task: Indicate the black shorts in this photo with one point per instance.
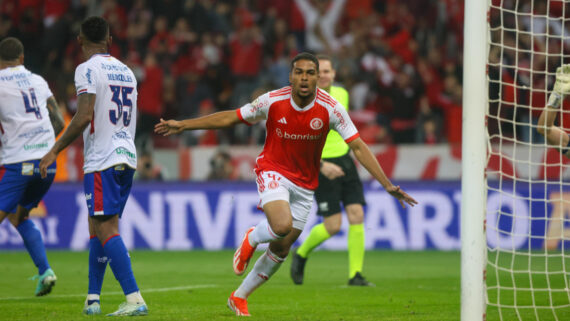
(346, 189)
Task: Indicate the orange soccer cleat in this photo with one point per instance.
(238, 305)
(243, 254)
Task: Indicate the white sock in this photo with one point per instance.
(262, 234)
(135, 297)
(267, 264)
(92, 297)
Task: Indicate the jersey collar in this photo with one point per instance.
(308, 107)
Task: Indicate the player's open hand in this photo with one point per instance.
(402, 196)
(168, 127)
(46, 161)
(331, 170)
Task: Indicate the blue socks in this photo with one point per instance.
(34, 244)
(120, 263)
(97, 265)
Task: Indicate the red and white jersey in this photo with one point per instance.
(296, 136)
(26, 132)
(109, 138)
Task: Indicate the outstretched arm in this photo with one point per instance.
(555, 136)
(82, 118)
(367, 159)
(217, 120)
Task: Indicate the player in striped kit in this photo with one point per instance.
(29, 121)
(298, 118)
(106, 114)
(338, 182)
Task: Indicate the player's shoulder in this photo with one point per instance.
(280, 94)
(325, 99)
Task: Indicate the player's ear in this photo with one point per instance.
(21, 59)
(109, 41)
(291, 78)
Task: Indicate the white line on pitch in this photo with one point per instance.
(143, 291)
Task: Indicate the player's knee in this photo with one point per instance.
(281, 229)
(16, 220)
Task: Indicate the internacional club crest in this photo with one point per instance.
(316, 123)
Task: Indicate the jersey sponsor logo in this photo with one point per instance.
(316, 123)
(342, 123)
(122, 135)
(287, 135)
(34, 132)
(88, 76)
(36, 146)
(255, 106)
(124, 151)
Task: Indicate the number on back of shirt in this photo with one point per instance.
(124, 105)
(31, 103)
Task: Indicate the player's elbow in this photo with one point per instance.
(541, 130)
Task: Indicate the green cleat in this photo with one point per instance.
(130, 309)
(46, 282)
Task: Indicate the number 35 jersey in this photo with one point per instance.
(109, 138)
(26, 132)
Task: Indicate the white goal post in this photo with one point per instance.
(515, 209)
(473, 157)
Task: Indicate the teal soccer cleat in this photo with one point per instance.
(46, 282)
(130, 309)
(92, 309)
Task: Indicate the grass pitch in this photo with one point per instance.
(195, 285)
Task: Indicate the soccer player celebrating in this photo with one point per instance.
(106, 114)
(555, 136)
(338, 182)
(29, 121)
(298, 118)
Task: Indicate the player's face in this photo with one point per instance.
(326, 74)
(303, 78)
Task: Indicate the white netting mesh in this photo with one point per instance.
(528, 206)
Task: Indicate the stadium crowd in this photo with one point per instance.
(400, 60)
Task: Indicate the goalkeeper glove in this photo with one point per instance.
(561, 86)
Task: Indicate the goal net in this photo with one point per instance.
(528, 182)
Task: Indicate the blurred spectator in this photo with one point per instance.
(149, 101)
(147, 170)
(221, 167)
(195, 55)
(321, 18)
(428, 130)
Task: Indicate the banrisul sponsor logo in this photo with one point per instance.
(124, 151)
(36, 146)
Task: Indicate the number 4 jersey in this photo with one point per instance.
(26, 132)
(109, 138)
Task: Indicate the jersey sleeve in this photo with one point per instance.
(85, 79)
(255, 111)
(43, 91)
(341, 122)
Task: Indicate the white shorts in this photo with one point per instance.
(273, 186)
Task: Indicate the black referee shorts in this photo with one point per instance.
(346, 189)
